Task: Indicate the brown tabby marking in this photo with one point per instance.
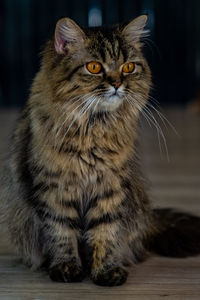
(73, 195)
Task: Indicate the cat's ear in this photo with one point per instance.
(67, 34)
(134, 31)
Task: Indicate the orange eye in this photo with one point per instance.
(94, 67)
(128, 67)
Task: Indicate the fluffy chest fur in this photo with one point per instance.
(88, 161)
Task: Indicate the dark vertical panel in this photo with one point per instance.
(11, 54)
(111, 12)
(128, 10)
(25, 54)
(62, 10)
(174, 37)
(79, 12)
(190, 41)
(197, 41)
(2, 52)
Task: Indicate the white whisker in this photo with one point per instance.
(70, 115)
(150, 117)
(84, 109)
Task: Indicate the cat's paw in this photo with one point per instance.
(110, 277)
(66, 272)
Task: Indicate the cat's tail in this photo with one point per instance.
(178, 234)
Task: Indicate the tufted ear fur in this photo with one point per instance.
(67, 35)
(134, 31)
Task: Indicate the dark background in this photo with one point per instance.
(173, 50)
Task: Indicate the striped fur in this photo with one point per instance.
(74, 199)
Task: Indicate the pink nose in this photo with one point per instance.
(116, 84)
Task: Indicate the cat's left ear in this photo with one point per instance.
(134, 31)
(67, 35)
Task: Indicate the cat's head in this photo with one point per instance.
(101, 69)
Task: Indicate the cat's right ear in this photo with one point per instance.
(67, 35)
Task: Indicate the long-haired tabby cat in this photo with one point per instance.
(73, 194)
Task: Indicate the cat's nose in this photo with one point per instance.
(116, 84)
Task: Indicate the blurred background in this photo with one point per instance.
(173, 49)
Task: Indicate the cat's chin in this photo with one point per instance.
(111, 103)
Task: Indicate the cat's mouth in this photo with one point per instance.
(115, 93)
(111, 101)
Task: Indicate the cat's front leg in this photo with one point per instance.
(65, 263)
(59, 240)
(107, 267)
(105, 237)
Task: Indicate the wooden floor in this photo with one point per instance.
(173, 183)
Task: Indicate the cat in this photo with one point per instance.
(73, 194)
